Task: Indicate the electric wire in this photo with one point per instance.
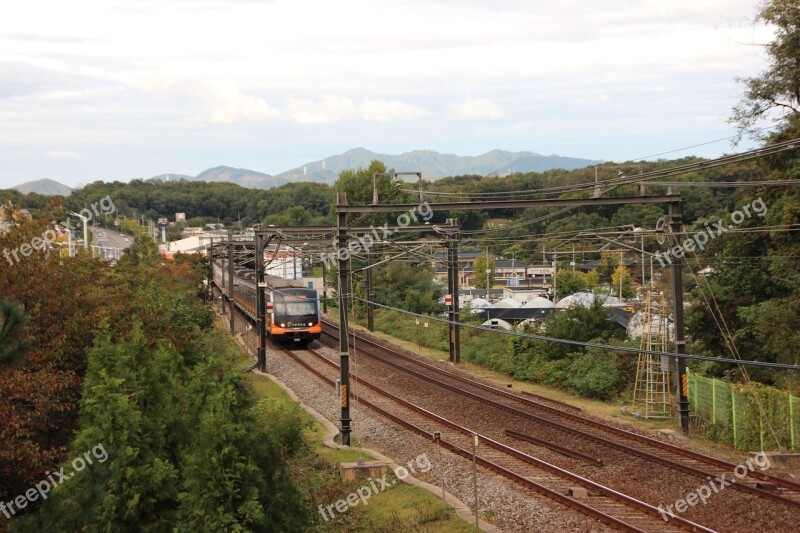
(593, 344)
(722, 325)
(698, 145)
(770, 149)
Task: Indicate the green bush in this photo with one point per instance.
(594, 375)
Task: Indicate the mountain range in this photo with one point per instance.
(430, 163)
(433, 164)
(45, 186)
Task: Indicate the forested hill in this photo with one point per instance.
(756, 279)
(304, 203)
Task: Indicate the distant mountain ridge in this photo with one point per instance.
(224, 174)
(432, 165)
(46, 187)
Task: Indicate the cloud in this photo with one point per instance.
(62, 154)
(224, 103)
(477, 109)
(338, 108)
(376, 110)
(19, 79)
(328, 109)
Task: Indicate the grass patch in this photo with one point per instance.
(407, 508)
(401, 508)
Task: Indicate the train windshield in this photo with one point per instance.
(295, 308)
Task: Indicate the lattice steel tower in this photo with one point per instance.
(651, 395)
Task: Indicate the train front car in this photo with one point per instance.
(295, 312)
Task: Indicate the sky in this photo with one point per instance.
(123, 89)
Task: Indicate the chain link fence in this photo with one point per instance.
(730, 413)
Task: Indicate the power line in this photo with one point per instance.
(607, 347)
(770, 149)
(695, 145)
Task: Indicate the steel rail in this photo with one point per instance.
(597, 488)
(727, 468)
(473, 382)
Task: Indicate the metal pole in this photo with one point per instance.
(437, 436)
(324, 289)
(456, 313)
(475, 476)
(370, 295)
(222, 285)
(231, 297)
(642, 260)
(261, 307)
(344, 353)
(676, 269)
(449, 251)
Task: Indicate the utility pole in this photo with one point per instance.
(342, 209)
(231, 297)
(261, 307)
(370, 295)
(324, 289)
(344, 349)
(451, 243)
(643, 260)
(514, 268)
(488, 274)
(573, 257)
(676, 269)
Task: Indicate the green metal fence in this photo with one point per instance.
(729, 413)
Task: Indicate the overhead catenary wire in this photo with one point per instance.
(722, 325)
(729, 138)
(770, 149)
(607, 347)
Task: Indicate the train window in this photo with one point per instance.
(296, 308)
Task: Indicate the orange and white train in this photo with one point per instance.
(292, 311)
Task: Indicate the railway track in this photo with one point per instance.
(566, 419)
(610, 506)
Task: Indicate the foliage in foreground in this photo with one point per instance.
(157, 389)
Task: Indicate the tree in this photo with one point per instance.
(622, 282)
(569, 282)
(13, 344)
(480, 266)
(774, 95)
(358, 183)
(592, 279)
(758, 298)
(577, 323)
(63, 301)
(410, 287)
(605, 268)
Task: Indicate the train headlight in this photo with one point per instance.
(310, 323)
(283, 325)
